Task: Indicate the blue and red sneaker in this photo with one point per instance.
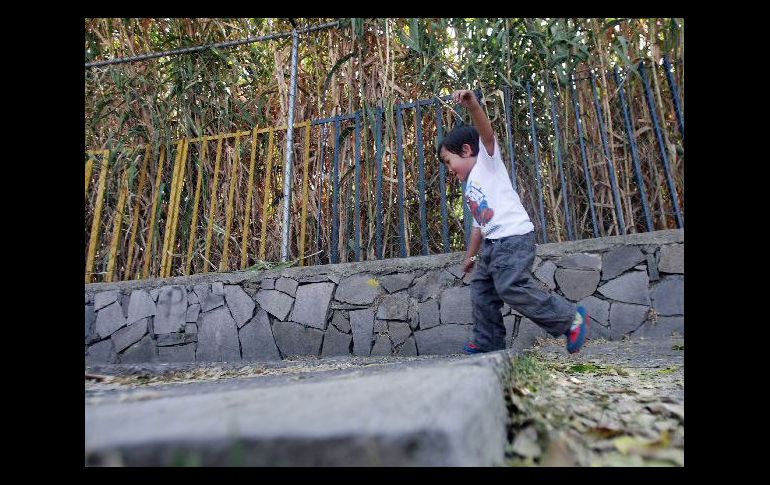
(576, 335)
(472, 348)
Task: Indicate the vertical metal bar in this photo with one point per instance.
(135, 217)
(116, 227)
(537, 163)
(324, 139)
(223, 264)
(378, 148)
(634, 155)
(249, 195)
(557, 135)
(674, 95)
(153, 212)
(287, 179)
(608, 156)
(213, 208)
(586, 170)
(335, 256)
(94, 238)
(266, 199)
(357, 204)
(305, 181)
(442, 179)
(508, 131)
(194, 223)
(661, 145)
(177, 203)
(421, 166)
(400, 147)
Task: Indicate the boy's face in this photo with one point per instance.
(459, 165)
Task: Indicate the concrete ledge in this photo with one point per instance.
(448, 413)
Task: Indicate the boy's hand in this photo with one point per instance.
(469, 263)
(465, 97)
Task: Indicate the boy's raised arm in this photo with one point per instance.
(468, 99)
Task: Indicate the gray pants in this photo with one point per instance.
(503, 274)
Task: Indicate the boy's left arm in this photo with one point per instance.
(468, 99)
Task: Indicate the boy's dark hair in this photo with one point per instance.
(454, 140)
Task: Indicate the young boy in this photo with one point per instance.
(501, 223)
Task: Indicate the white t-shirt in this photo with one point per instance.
(495, 206)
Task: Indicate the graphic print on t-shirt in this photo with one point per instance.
(478, 204)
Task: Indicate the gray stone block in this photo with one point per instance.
(286, 285)
(267, 284)
(312, 304)
(397, 282)
(191, 328)
(598, 310)
(193, 311)
(671, 258)
(380, 326)
(577, 284)
(362, 323)
(443, 340)
(139, 353)
(382, 346)
(140, 306)
(123, 299)
(616, 261)
(275, 303)
(154, 293)
(528, 334)
(218, 288)
(413, 316)
(507, 310)
(408, 348)
(399, 332)
(90, 321)
(109, 319)
(598, 331)
(104, 298)
(294, 339)
(581, 261)
(430, 285)
(456, 270)
(629, 288)
(129, 335)
(456, 306)
(180, 353)
(101, 353)
(652, 267)
(341, 321)
(171, 339)
(625, 318)
(217, 337)
(257, 341)
(359, 289)
(394, 307)
(663, 327)
(429, 315)
(171, 310)
(192, 297)
(668, 296)
(510, 327)
(208, 299)
(240, 304)
(334, 278)
(335, 343)
(545, 273)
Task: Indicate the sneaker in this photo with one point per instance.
(471, 348)
(576, 335)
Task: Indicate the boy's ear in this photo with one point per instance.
(467, 150)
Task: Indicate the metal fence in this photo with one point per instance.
(582, 157)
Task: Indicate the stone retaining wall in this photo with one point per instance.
(631, 285)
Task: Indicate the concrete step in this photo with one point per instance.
(441, 411)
